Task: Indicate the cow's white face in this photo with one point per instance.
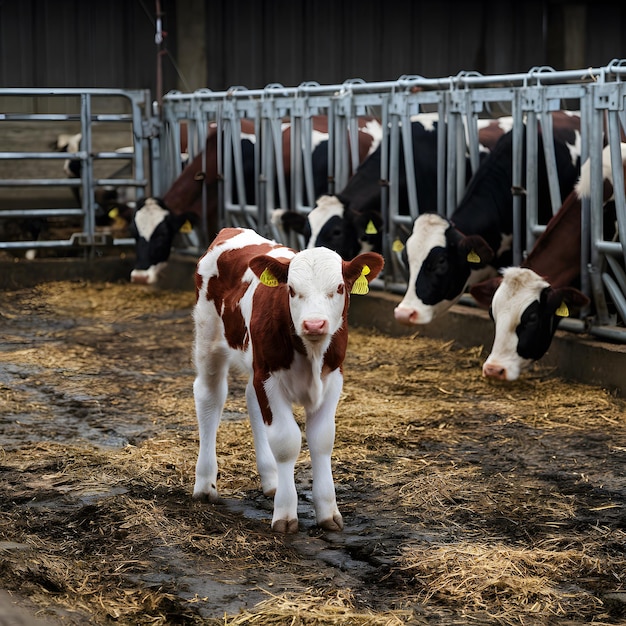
(442, 263)
(316, 295)
(517, 315)
(154, 236)
(428, 236)
(326, 220)
(148, 218)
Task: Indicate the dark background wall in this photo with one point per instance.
(221, 43)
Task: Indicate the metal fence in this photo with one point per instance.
(598, 94)
(128, 116)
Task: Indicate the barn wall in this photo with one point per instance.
(256, 42)
(79, 43)
(221, 43)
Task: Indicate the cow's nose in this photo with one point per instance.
(405, 315)
(139, 277)
(494, 370)
(315, 326)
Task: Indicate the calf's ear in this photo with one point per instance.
(483, 292)
(359, 272)
(270, 271)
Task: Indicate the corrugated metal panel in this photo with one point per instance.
(110, 43)
(255, 42)
(78, 43)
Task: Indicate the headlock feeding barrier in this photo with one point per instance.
(458, 103)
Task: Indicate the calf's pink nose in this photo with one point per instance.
(493, 370)
(405, 316)
(315, 326)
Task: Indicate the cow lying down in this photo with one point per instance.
(281, 317)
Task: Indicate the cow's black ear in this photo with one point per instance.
(294, 221)
(564, 301)
(476, 251)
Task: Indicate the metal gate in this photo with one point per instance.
(598, 94)
(94, 114)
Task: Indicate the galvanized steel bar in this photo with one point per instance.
(517, 188)
(531, 187)
(459, 101)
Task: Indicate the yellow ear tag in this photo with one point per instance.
(114, 212)
(472, 257)
(268, 279)
(361, 286)
(397, 246)
(186, 227)
(562, 311)
(370, 229)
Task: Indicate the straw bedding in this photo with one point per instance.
(464, 500)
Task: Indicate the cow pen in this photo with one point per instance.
(465, 500)
(458, 102)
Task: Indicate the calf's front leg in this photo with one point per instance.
(320, 434)
(285, 440)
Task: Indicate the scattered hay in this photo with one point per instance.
(464, 499)
(505, 581)
(316, 609)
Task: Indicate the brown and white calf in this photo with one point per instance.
(281, 317)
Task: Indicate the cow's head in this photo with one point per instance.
(333, 225)
(319, 283)
(153, 228)
(526, 311)
(440, 261)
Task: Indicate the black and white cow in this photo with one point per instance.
(351, 221)
(184, 198)
(441, 262)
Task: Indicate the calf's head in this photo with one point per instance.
(318, 282)
(440, 261)
(526, 311)
(154, 228)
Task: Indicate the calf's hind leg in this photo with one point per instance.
(209, 390)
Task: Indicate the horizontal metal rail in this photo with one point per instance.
(598, 95)
(134, 111)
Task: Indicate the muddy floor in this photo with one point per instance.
(464, 500)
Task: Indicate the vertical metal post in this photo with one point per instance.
(158, 40)
(518, 148)
(532, 153)
(585, 119)
(596, 215)
(442, 125)
(87, 173)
